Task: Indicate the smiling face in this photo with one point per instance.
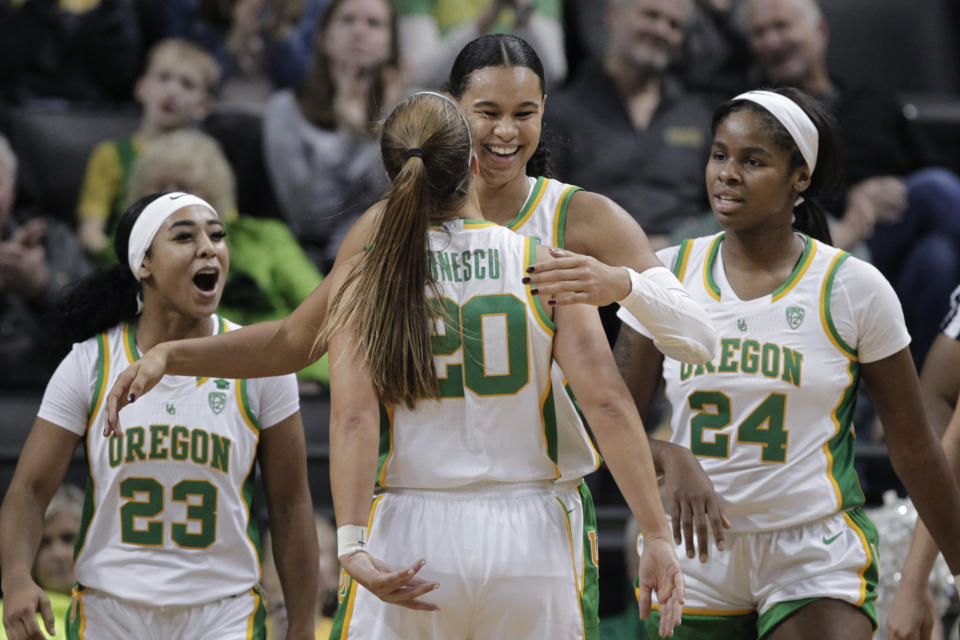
(504, 106)
(358, 34)
(749, 177)
(53, 566)
(187, 265)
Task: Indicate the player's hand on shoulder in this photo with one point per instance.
(571, 278)
(133, 382)
(911, 613)
(22, 601)
(401, 587)
(660, 572)
(693, 503)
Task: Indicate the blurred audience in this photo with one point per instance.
(907, 211)
(321, 140)
(38, 255)
(269, 273)
(261, 45)
(627, 129)
(433, 31)
(716, 58)
(329, 574)
(53, 566)
(176, 90)
(71, 50)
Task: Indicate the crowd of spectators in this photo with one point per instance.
(291, 91)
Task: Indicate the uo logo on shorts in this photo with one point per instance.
(218, 400)
(795, 316)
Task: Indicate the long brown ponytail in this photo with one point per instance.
(426, 147)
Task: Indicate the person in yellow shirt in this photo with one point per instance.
(176, 90)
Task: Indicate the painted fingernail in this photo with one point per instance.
(551, 301)
(525, 280)
(535, 290)
(530, 269)
(131, 397)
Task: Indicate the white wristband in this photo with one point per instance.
(350, 539)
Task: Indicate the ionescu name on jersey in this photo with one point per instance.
(170, 443)
(464, 266)
(750, 356)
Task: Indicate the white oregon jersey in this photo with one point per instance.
(770, 418)
(167, 518)
(493, 349)
(544, 217)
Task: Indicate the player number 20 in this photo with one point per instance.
(146, 500)
(472, 374)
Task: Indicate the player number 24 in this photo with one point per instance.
(763, 427)
(146, 501)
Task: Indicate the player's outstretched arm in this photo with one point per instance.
(581, 349)
(40, 469)
(607, 239)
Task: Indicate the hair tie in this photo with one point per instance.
(415, 152)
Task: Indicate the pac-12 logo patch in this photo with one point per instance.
(218, 400)
(795, 316)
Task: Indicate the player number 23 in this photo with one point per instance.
(146, 501)
(763, 427)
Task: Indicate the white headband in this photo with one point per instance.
(794, 119)
(151, 219)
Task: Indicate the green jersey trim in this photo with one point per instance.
(548, 417)
(825, 315)
(708, 282)
(88, 509)
(386, 444)
(243, 401)
(543, 318)
(533, 201)
(249, 497)
(806, 259)
(560, 219)
(682, 259)
(103, 375)
(840, 449)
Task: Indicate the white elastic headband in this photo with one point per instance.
(151, 219)
(794, 119)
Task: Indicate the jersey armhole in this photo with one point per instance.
(530, 258)
(826, 316)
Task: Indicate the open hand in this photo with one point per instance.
(660, 572)
(402, 587)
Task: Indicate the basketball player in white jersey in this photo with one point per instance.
(440, 366)
(168, 546)
(500, 83)
(770, 418)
